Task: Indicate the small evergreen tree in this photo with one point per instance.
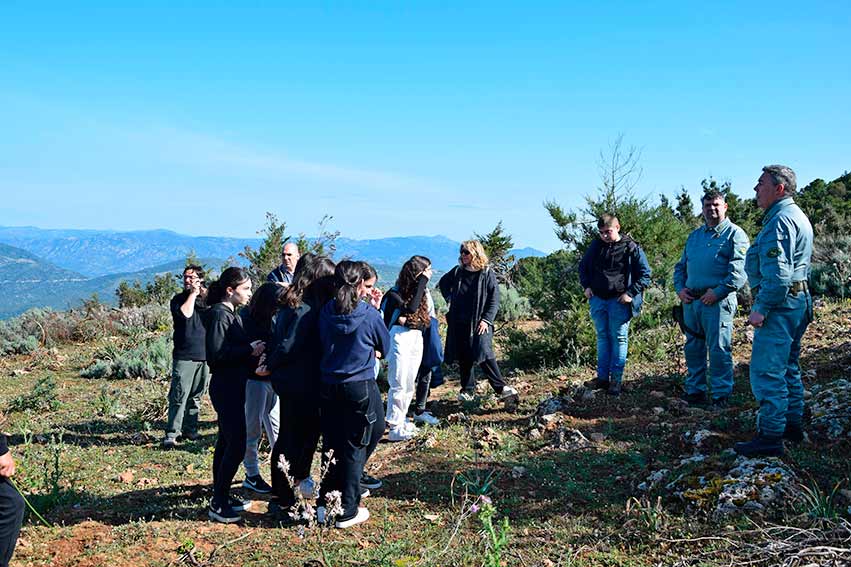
(497, 244)
(268, 256)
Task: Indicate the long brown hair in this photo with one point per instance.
(407, 286)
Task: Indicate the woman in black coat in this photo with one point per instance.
(472, 292)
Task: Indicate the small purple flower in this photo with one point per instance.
(474, 508)
(485, 500)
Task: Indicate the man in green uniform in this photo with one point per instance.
(778, 267)
(710, 271)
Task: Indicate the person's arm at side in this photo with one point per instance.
(7, 463)
(585, 267)
(445, 284)
(491, 305)
(681, 276)
(414, 303)
(640, 273)
(775, 251)
(380, 336)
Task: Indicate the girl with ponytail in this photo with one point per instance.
(231, 356)
(352, 335)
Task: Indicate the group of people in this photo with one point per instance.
(717, 261)
(299, 357)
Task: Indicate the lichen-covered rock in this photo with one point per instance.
(723, 486)
(702, 439)
(568, 439)
(830, 407)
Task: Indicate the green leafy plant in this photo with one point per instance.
(43, 397)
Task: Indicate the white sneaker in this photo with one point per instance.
(466, 397)
(426, 418)
(307, 488)
(400, 434)
(359, 518)
(410, 427)
(320, 515)
(507, 392)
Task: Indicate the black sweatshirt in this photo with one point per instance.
(255, 332)
(395, 301)
(3, 448)
(189, 332)
(228, 345)
(296, 350)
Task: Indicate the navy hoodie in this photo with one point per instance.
(349, 342)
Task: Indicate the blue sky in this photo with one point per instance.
(402, 118)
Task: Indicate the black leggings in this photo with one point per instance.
(11, 516)
(298, 437)
(490, 369)
(228, 397)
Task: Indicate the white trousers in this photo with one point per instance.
(406, 353)
(261, 409)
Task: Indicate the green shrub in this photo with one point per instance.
(150, 359)
(831, 273)
(43, 397)
(567, 340)
(512, 305)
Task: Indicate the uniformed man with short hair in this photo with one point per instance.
(710, 271)
(778, 267)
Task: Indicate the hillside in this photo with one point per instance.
(580, 478)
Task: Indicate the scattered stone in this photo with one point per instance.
(551, 405)
(597, 437)
(459, 417)
(658, 411)
(587, 394)
(676, 404)
(518, 472)
(487, 438)
(535, 434)
(657, 394)
(126, 477)
(549, 418)
(653, 480)
(830, 407)
(568, 439)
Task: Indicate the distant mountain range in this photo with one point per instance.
(58, 268)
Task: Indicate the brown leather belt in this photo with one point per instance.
(796, 287)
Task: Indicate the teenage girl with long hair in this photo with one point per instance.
(407, 313)
(294, 364)
(351, 333)
(261, 402)
(229, 354)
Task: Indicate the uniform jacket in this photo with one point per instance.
(713, 258)
(780, 255)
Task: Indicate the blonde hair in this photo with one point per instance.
(480, 259)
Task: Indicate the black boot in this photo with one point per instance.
(761, 445)
(597, 384)
(697, 399)
(793, 432)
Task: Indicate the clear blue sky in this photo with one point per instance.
(402, 118)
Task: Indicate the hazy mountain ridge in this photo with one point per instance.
(59, 268)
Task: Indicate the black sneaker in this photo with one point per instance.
(364, 491)
(257, 484)
(793, 432)
(370, 482)
(614, 389)
(597, 384)
(223, 513)
(696, 399)
(191, 435)
(762, 445)
(170, 443)
(239, 504)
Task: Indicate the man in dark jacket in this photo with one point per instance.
(11, 506)
(283, 274)
(613, 272)
(190, 376)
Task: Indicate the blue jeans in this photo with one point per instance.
(611, 321)
(716, 323)
(775, 372)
